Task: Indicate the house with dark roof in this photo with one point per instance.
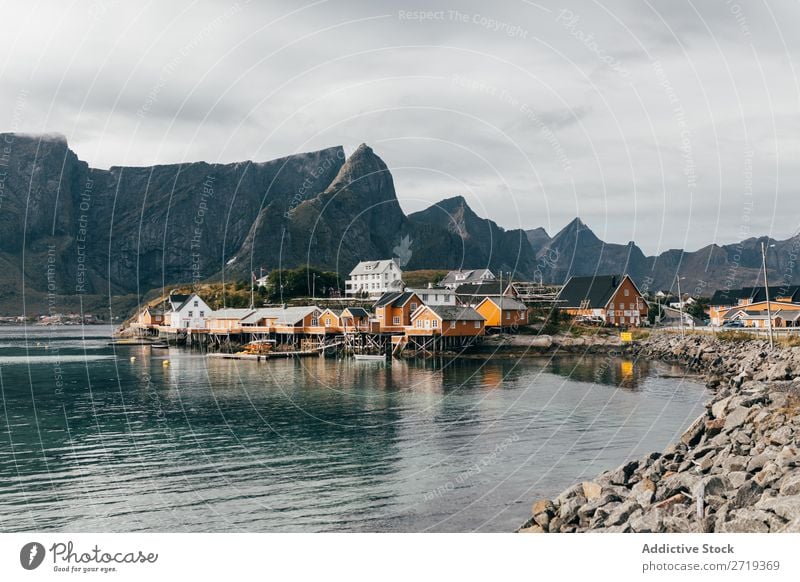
(355, 319)
(471, 294)
(784, 314)
(190, 313)
(614, 299)
(724, 299)
(503, 312)
(467, 277)
(151, 316)
(393, 310)
(446, 321)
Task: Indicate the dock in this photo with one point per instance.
(267, 356)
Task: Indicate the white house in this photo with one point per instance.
(191, 313)
(374, 278)
(435, 295)
(474, 276)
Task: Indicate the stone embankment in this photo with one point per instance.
(736, 469)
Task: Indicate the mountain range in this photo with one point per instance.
(84, 235)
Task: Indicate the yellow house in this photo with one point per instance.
(503, 312)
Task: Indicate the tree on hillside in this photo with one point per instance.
(283, 284)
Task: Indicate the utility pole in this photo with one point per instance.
(252, 286)
(680, 303)
(766, 292)
(314, 287)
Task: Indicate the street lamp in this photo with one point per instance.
(680, 302)
(766, 291)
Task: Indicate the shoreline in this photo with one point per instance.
(735, 469)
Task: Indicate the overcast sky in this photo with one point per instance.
(671, 123)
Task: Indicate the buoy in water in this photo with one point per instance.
(165, 363)
(133, 358)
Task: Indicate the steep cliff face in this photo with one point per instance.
(74, 230)
(451, 235)
(355, 217)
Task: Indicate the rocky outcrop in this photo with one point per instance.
(735, 469)
(75, 230)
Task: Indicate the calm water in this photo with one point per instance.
(90, 441)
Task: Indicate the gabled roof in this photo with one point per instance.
(723, 297)
(357, 312)
(596, 289)
(176, 301)
(280, 315)
(187, 300)
(507, 303)
(451, 312)
(396, 299)
(335, 312)
(365, 267)
(154, 310)
(468, 276)
(231, 313)
(294, 315)
(439, 290)
(789, 314)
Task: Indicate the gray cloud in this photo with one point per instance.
(647, 119)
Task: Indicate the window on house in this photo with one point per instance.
(626, 292)
(508, 315)
(202, 314)
(633, 306)
(396, 320)
(314, 322)
(435, 324)
(190, 313)
(419, 323)
(477, 324)
(196, 303)
(327, 322)
(413, 307)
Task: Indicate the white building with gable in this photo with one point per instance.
(374, 278)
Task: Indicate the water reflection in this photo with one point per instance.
(316, 444)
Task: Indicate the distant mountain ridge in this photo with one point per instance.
(576, 250)
(70, 230)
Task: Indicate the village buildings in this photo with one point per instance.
(611, 299)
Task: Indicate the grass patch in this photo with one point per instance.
(735, 336)
(789, 341)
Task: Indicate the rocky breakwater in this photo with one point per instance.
(736, 468)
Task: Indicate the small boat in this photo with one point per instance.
(159, 346)
(370, 358)
(258, 347)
